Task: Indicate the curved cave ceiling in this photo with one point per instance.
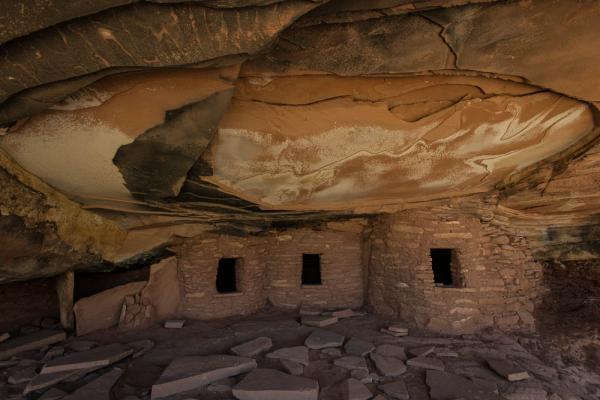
(314, 142)
(165, 112)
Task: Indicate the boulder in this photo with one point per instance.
(270, 384)
(320, 339)
(102, 310)
(190, 373)
(162, 289)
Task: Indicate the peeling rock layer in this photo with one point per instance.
(237, 116)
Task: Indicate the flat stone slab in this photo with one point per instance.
(347, 313)
(310, 311)
(253, 347)
(398, 328)
(388, 366)
(292, 367)
(358, 347)
(443, 352)
(98, 357)
(4, 337)
(318, 320)
(352, 362)
(80, 345)
(141, 347)
(331, 352)
(22, 375)
(32, 341)
(98, 389)
(190, 373)
(42, 381)
(321, 339)
(353, 389)
(391, 350)
(174, 323)
(508, 370)
(427, 363)
(270, 384)
(53, 394)
(393, 333)
(297, 354)
(421, 351)
(443, 386)
(396, 390)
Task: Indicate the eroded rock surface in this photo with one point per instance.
(224, 116)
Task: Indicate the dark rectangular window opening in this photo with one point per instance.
(311, 269)
(445, 267)
(227, 275)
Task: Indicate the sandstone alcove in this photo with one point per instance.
(299, 199)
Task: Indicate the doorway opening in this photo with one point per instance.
(446, 268)
(311, 269)
(227, 279)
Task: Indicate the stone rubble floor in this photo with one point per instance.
(464, 357)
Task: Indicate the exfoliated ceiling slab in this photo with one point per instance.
(549, 43)
(141, 35)
(157, 162)
(400, 44)
(159, 117)
(372, 141)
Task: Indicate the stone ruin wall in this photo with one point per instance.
(501, 282)
(270, 272)
(341, 269)
(198, 263)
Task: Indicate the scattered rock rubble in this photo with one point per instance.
(334, 363)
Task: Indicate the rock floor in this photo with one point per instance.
(461, 356)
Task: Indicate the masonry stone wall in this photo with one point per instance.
(271, 271)
(341, 269)
(198, 263)
(500, 282)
